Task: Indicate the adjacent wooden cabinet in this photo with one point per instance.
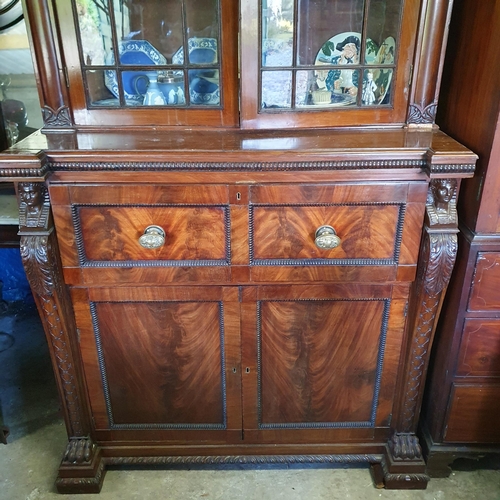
(463, 393)
(239, 267)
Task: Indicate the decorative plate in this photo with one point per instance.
(385, 54)
(201, 51)
(331, 53)
(135, 83)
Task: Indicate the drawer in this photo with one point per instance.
(100, 231)
(378, 226)
(473, 415)
(268, 235)
(480, 349)
(193, 234)
(484, 294)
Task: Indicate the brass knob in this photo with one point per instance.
(153, 237)
(326, 237)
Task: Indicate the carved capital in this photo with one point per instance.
(34, 206)
(59, 118)
(418, 115)
(441, 205)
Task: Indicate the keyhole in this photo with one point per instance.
(247, 370)
(238, 196)
(234, 370)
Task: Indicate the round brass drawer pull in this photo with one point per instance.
(326, 237)
(153, 237)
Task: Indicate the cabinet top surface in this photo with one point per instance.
(406, 143)
(423, 152)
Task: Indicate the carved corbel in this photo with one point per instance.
(82, 467)
(403, 465)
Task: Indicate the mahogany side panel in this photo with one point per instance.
(472, 117)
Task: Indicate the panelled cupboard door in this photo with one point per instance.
(161, 362)
(320, 362)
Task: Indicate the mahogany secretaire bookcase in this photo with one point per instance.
(239, 222)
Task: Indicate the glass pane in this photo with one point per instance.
(204, 87)
(202, 50)
(202, 22)
(326, 23)
(95, 31)
(99, 93)
(277, 32)
(276, 89)
(312, 91)
(156, 27)
(382, 31)
(376, 87)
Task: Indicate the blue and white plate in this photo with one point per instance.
(201, 51)
(137, 53)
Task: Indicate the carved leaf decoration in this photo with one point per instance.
(58, 118)
(35, 256)
(418, 115)
(442, 253)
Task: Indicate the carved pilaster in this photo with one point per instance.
(41, 262)
(403, 464)
(82, 468)
(428, 62)
(437, 258)
(52, 85)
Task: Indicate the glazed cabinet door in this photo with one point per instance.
(150, 62)
(161, 362)
(320, 362)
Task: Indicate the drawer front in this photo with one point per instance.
(378, 225)
(484, 293)
(480, 349)
(193, 234)
(266, 235)
(368, 233)
(99, 230)
(473, 416)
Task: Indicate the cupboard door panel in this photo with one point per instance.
(157, 367)
(160, 360)
(315, 364)
(310, 374)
